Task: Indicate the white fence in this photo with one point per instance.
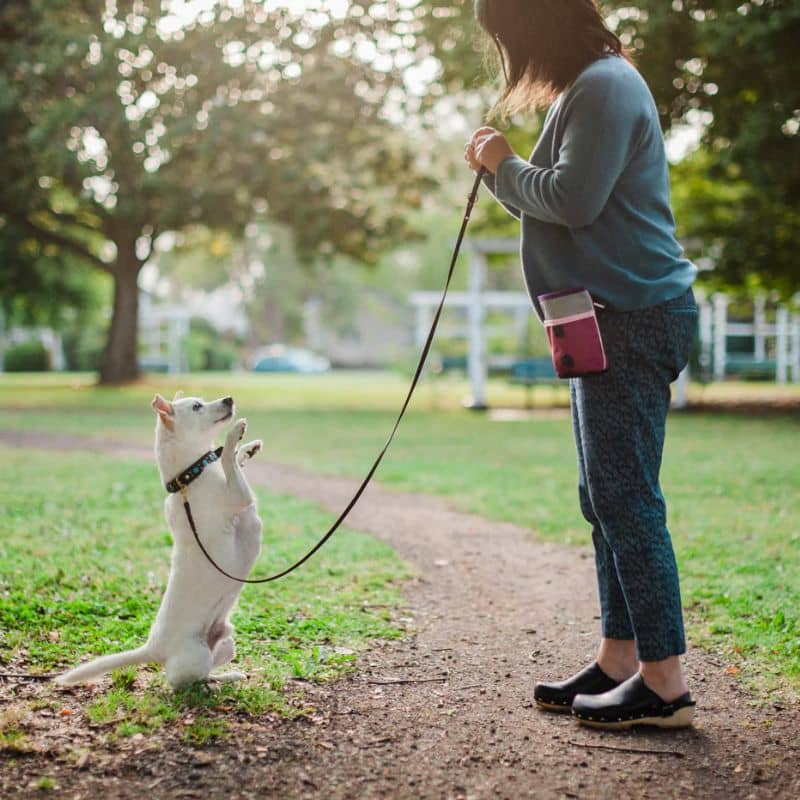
(776, 348)
(775, 332)
(163, 331)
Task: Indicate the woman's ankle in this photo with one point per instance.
(617, 658)
(664, 677)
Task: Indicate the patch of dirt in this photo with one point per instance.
(448, 713)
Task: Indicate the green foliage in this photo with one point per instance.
(208, 349)
(26, 357)
(121, 122)
(135, 714)
(83, 345)
(40, 287)
(205, 730)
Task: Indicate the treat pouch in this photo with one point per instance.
(573, 333)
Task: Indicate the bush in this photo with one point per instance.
(26, 357)
(83, 347)
(208, 349)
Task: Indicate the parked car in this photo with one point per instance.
(279, 358)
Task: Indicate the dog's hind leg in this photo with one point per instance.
(227, 677)
(190, 662)
(220, 640)
(223, 652)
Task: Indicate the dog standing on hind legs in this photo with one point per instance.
(192, 633)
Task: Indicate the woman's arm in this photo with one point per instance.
(599, 137)
(489, 183)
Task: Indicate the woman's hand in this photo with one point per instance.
(487, 148)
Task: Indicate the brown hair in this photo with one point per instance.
(543, 46)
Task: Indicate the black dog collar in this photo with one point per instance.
(193, 471)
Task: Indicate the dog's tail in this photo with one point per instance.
(94, 669)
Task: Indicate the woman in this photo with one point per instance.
(593, 202)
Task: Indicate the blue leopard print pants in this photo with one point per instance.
(619, 420)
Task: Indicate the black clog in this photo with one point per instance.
(559, 696)
(632, 703)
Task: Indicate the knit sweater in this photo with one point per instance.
(594, 199)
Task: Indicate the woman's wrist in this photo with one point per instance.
(488, 147)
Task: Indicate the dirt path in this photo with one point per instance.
(494, 610)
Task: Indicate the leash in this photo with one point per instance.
(180, 483)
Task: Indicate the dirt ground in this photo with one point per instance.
(447, 713)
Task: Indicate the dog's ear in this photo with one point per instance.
(178, 395)
(164, 410)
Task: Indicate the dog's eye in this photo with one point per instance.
(197, 406)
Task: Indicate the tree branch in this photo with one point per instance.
(67, 218)
(51, 237)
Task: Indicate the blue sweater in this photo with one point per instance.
(594, 200)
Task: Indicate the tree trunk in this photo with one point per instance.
(120, 361)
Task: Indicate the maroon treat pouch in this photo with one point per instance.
(573, 333)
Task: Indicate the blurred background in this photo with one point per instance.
(276, 186)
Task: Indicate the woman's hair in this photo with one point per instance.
(543, 46)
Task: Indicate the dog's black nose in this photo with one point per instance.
(228, 401)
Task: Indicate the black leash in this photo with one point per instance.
(189, 473)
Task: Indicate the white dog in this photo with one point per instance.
(192, 633)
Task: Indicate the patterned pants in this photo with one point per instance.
(619, 420)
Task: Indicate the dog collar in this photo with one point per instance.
(193, 471)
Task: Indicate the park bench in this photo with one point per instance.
(750, 368)
(529, 372)
(451, 363)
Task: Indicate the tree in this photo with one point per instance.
(123, 121)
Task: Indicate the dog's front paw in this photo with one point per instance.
(237, 431)
(253, 447)
(247, 451)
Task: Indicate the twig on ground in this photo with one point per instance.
(27, 676)
(391, 681)
(375, 742)
(634, 750)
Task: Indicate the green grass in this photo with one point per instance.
(731, 481)
(84, 557)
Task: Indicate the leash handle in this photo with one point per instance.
(473, 195)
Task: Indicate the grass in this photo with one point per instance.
(730, 480)
(84, 557)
